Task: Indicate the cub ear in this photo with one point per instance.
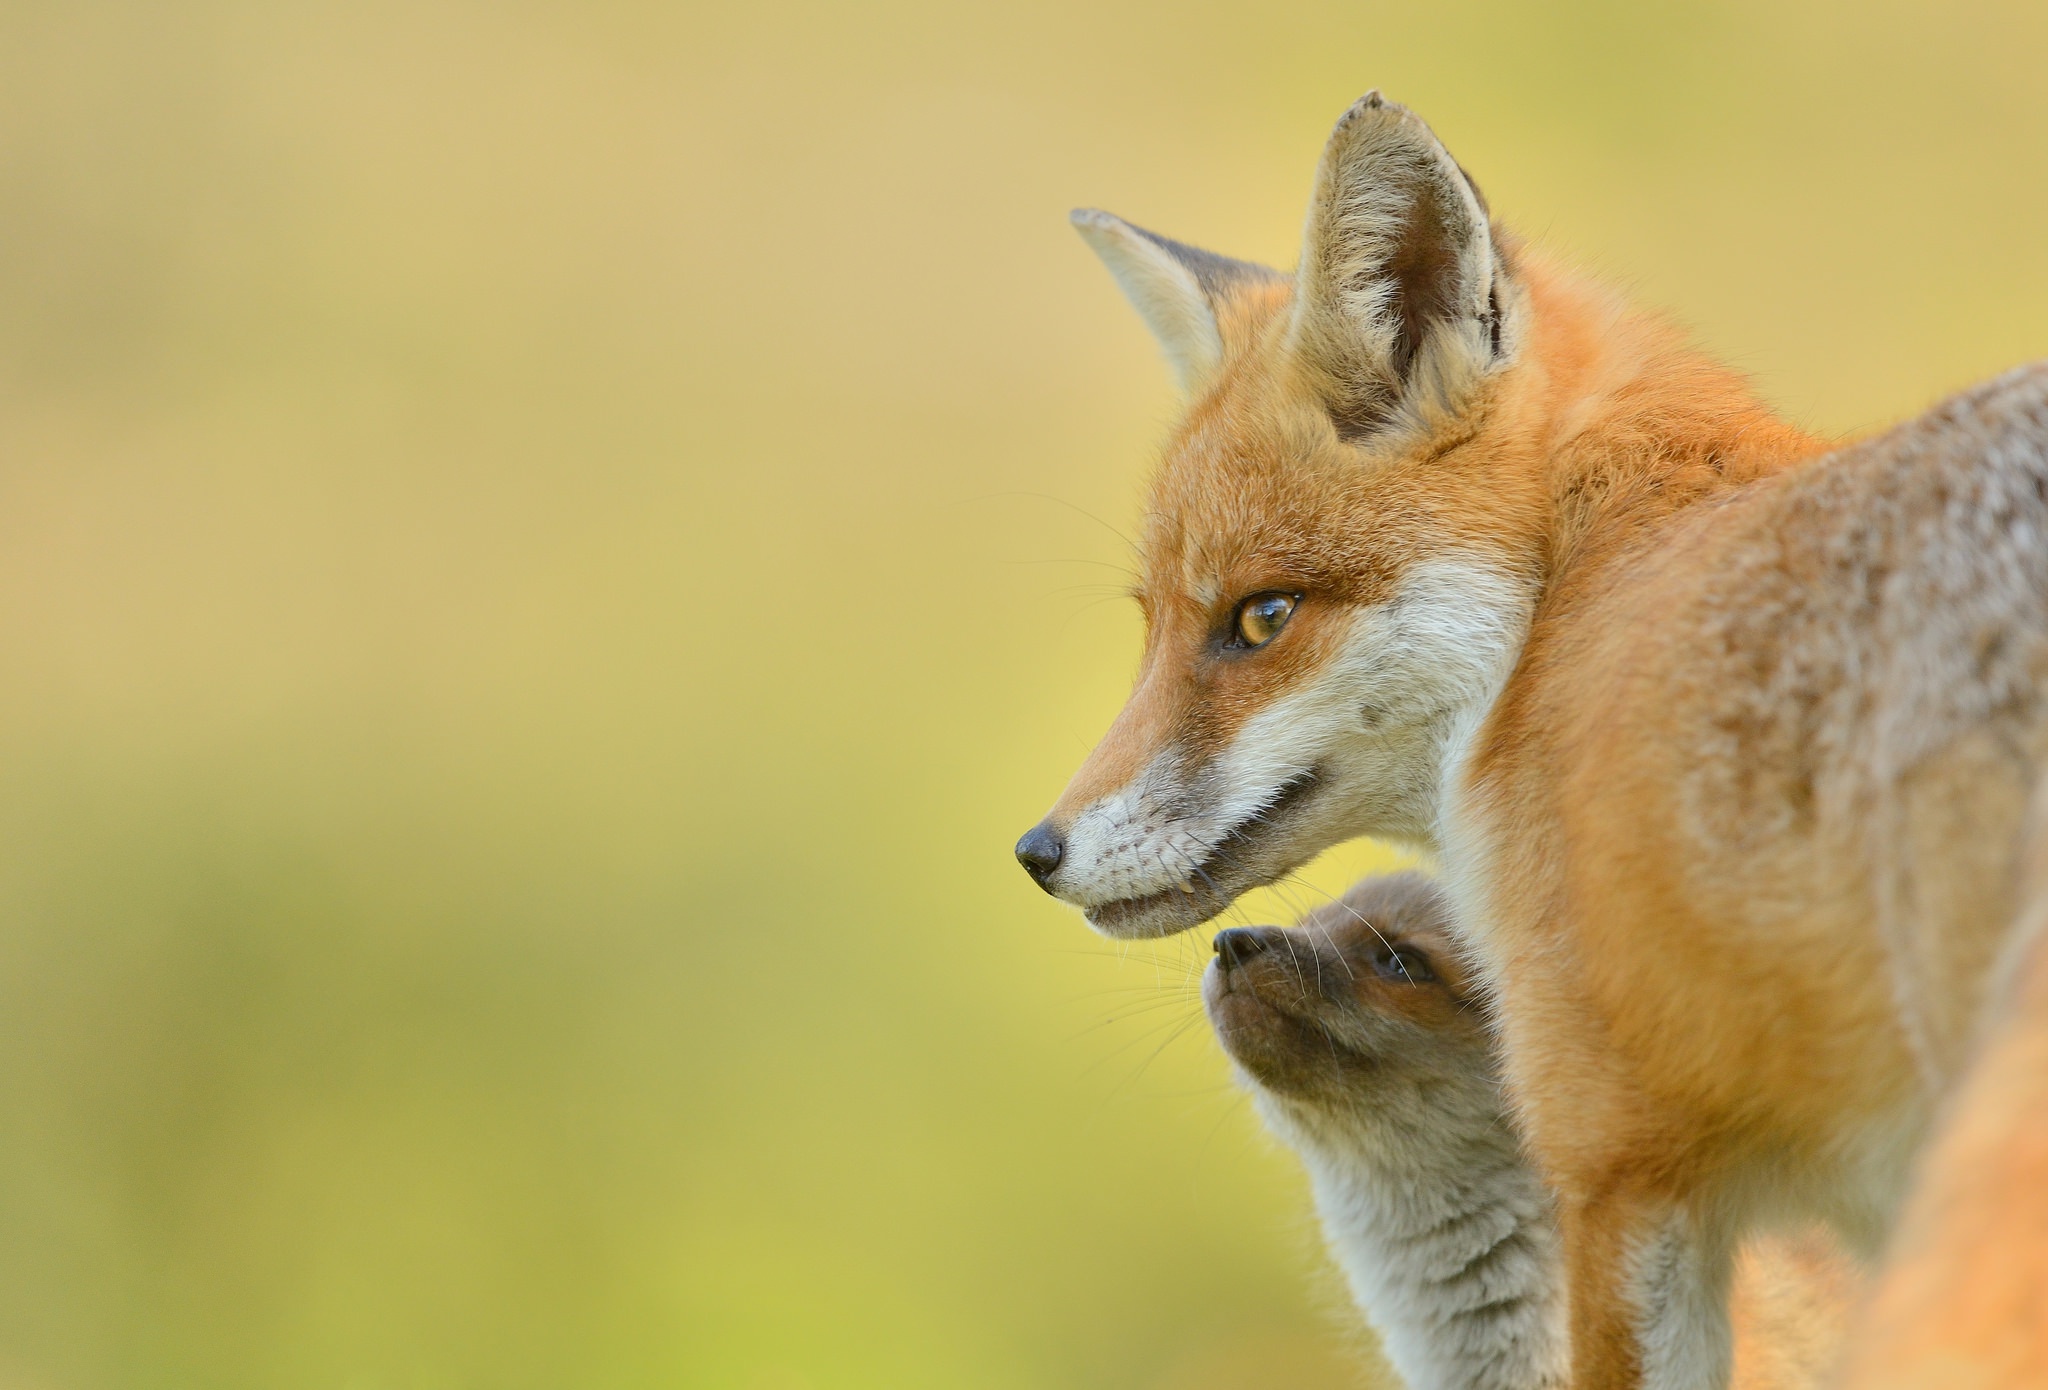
(1180, 291)
(1398, 299)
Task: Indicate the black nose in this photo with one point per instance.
(1041, 850)
(1236, 945)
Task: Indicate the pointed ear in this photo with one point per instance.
(1398, 298)
(1178, 290)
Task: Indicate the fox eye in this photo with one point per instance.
(1402, 963)
(1260, 617)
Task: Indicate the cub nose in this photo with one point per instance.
(1041, 850)
(1236, 945)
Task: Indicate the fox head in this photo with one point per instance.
(1340, 556)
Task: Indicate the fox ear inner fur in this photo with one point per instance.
(1399, 299)
(1178, 290)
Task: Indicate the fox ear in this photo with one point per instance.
(1398, 299)
(1179, 291)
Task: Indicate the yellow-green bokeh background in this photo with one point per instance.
(548, 550)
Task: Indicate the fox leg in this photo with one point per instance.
(1649, 1295)
(1963, 1300)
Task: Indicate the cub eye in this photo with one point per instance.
(1260, 617)
(1402, 963)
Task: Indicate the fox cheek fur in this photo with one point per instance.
(1362, 736)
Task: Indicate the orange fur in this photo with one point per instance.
(1731, 816)
(1791, 1304)
(1963, 1304)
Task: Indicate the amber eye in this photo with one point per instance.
(1260, 617)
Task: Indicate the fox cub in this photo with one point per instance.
(1356, 1035)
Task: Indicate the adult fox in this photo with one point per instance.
(1725, 735)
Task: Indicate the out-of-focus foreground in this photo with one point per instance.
(547, 551)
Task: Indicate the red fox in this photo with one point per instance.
(1724, 734)
(1363, 1050)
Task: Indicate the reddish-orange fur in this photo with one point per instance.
(1964, 1300)
(1791, 1303)
(1739, 922)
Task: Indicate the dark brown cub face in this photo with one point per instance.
(1363, 987)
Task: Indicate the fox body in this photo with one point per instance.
(1724, 734)
(1362, 1048)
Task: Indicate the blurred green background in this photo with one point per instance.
(548, 550)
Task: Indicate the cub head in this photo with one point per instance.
(1338, 565)
(1367, 991)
